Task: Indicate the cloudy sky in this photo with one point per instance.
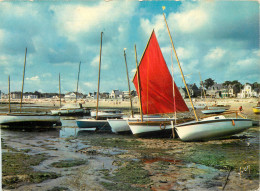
(219, 39)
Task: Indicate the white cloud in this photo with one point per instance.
(215, 54)
(189, 20)
(34, 78)
(79, 18)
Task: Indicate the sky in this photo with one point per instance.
(218, 39)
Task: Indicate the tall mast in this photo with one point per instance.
(78, 82)
(180, 69)
(174, 98)
(138, 82)
(9, 111)
(99, 75)
(23, 79)
(129, 86)
(59, 90)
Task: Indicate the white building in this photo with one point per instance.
(30, 96)
(72, 95)
(248, 92)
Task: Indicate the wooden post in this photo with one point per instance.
(9, 93)
(203, 91)
(23, 79)
(138, 82)
(99, 75)
(78, 82)
(59, 90)
(132, 113)
(180, 68)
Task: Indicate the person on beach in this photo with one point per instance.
(240, 109)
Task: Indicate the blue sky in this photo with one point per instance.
(219, 39)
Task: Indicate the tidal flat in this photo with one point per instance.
(69, 158)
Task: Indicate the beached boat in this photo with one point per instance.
(212, 127)
(156, 96)
(28, 120)
(256, 109)
(93, 123)
(213, 111)
(71, 110)
(100, 122)
(121, 126)
(107, 114)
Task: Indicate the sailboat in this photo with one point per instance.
(26, 120)
(120, 126)
(71, 109)
(98, 122)
(154, 85)
(256, 109)
(212, 127)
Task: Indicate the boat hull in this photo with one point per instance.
(71, 112)
(119, 126)
(92, 123)
(105, 115)
(256, 110)
(28, 120)
(160, 127)
(211, 129)
(213, 111)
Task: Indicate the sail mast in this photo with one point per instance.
(59, 90)
(9, 111)
(180, 68)
(138, 81)
(132, 113)
(78, 82)
(23, 79)
(174, 100)
(99, 75)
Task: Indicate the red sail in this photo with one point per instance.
(156, 84)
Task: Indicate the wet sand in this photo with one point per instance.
(123, 162)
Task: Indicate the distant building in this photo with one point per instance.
(247, 91)
(116, 94)
(193, 90)
(215, 90)
(72, 96)
(15, 95)
(30, 96)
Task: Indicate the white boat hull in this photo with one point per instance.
(69, 112)
(121, 125)
(92, 123)
(104, 115)
(213, 111)
(211, 128)
(28, 120)
(159, 127)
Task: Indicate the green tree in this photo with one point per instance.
(208, 82)
(226, 83)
